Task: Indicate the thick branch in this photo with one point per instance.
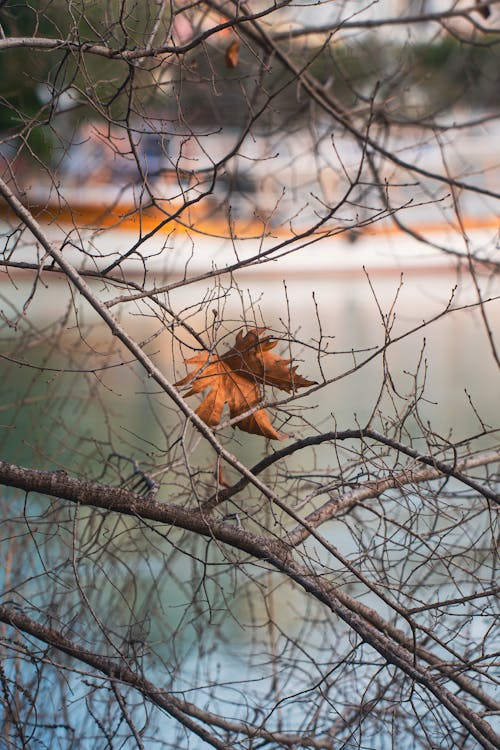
(391, 643)
(138, 53)
(121, 672)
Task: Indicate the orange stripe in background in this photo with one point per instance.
(201, 222)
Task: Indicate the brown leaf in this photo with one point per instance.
(236, 378)
(232, 54)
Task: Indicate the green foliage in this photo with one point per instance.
(467, 72)
(418, 77)
(28, 99)
(444, 72)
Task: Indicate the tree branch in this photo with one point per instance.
(390, 642)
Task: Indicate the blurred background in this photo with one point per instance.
(330, 171)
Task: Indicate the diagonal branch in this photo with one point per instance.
(121, 334)
(393, 644)
(122, 673)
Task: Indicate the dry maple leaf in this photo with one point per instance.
(236, 379)
(232, 54)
